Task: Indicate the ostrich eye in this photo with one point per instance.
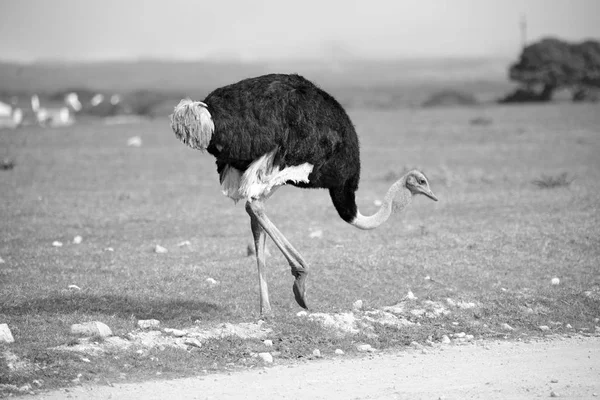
(421, 181)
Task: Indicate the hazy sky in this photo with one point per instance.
(271, 29)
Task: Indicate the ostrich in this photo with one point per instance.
(273, 130)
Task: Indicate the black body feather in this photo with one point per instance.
(302, 122)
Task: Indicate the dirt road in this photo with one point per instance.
(570, 368)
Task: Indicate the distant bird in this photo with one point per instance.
(278, 129)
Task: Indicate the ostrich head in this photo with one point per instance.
(417, 183)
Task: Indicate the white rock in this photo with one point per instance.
(134, 141)
(159, 249)
(193, 342)
(211, 281)
(56, 243)
(77, 239)
(74, 287)
(5, 334)
(175, 332)
(316, 353)
(184, 243)
(446, 339)
(410, 296)
(469, 338)
(544, 328)
(365, 348)
(555, 281)
(507, 327)
(148, 323)
(268, 343)
(94, 328)
(450, 302)
(357, 305)
(568, 326)
(339, 352)
(427, 278)
(301, 313)
(109, 249)
(266, 357)
(2, 261)
(316, 234)
(460, 335)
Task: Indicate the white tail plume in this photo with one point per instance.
(192, 123)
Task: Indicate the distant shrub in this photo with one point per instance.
(483, 121)
(550, 182)
(450, 98)
(144, 102)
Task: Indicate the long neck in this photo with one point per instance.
(398, 192)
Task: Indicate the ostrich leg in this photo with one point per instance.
(299, 266)
(259, 244)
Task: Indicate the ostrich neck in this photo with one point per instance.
(397, 191)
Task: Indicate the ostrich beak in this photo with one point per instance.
(427, 192)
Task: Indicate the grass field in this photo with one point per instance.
(494, 237)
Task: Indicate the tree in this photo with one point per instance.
(552, 64)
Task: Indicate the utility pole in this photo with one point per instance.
(523, 26)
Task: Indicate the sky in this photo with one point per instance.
(254, 30)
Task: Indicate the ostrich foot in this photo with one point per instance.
(299, 288)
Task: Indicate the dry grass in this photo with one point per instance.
(492, 238)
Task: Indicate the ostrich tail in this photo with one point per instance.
(192, 123)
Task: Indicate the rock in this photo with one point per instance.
(446, 339)
(193, 342)
(109, 249)
(410, 296)
(2, 261)
(56, 243)
(544, 328)
(450, 302)
(555, 281)
(339, 352)
(316, 353)
(184, 243)
(554, 381)
(357, 305)
(416, 345)
(365, 348)
(568, 326)
(266, 357)
(268, 343)
(469, 338)
(94, 328)
(301, 313)
(507, 327)
(74, 287)
(134, 141)
(460, 335)
(159, 249)
(175, 332)
(554, 394)
(148, 323)
(212, 282)
(316, 234)
(77, 239)
(5, 334)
